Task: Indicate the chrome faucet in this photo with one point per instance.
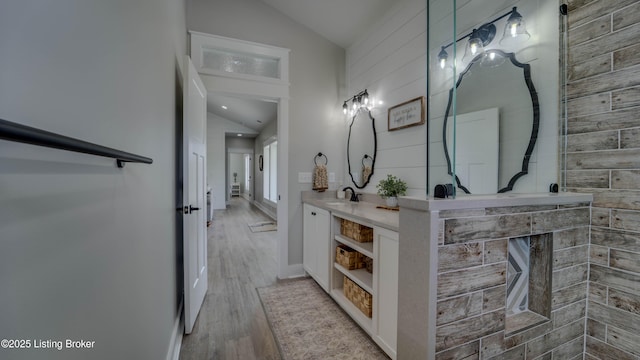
(354, 196)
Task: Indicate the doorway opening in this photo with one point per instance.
(250, 132)
(272, 87)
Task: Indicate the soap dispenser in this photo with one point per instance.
(340, 192)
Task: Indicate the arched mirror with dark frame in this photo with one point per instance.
(496, 81)
(362, 147)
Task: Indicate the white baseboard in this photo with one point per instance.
(293, 271)
(173, 353)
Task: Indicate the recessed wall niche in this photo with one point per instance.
(528, 300)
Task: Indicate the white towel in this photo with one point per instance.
(320, 178)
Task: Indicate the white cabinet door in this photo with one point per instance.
(308, 229)
(387, 292)
(323, 259)
(316, 244)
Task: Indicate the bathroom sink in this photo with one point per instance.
(336, 203)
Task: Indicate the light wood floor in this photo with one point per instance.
(231, 323)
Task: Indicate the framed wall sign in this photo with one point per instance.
(407, 114)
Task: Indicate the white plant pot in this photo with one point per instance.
(392, 201)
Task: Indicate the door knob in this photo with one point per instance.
(192, 209)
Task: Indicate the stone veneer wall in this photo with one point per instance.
(604, 159)
(471, 287)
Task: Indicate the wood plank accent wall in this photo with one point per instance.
(603, 158)
(471, 286)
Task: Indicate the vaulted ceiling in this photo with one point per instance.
(339, 21)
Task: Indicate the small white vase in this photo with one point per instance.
(392, 201)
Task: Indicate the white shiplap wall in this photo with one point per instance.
(390, 61)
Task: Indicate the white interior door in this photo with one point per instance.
(194, 194)
(477, 165)
(248, 175)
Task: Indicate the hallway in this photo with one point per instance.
(231, 323)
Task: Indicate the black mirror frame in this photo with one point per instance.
(375, 148)
(536, 119)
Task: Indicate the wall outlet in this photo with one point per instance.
(332, 177)
(304, 177)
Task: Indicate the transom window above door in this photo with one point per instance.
(217, 55)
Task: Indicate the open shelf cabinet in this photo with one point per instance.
(322, 235)
(365, 322)
(360, 277)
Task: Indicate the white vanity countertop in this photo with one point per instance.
(481, 201)
(363, 211)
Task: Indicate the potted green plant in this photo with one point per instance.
(390, 188)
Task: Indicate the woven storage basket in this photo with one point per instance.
(349, 258)
(368, 263)
(355, 231)
(358, 296)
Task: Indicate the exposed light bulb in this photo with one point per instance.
(514, 29)
(442, 57)
(475, 46)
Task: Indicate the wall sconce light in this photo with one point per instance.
(515, 29)
(475, 43)
(359, 100)
(482, 36)
(442, 58)
(478, 39)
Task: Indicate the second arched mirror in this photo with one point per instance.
(497, 121)
(361, 147)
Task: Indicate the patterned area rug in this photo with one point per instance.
(308, 324)
(263, 226)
